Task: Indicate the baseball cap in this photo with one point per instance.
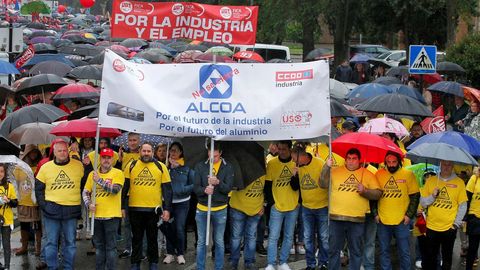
(106, 152)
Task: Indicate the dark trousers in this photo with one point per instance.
(144, 222)
(435, 240)
(7, 251)
(105, 242)
(179, 214)
(473, 242)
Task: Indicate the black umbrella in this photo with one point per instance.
(386, 80)
(397, 71)
(134, 43)
(40, 112)
(78, 62)
(317, 54)
(80, 49)
(36, 25)
(61, 42)
(44, 48)
(8, 147)
(447, 87)
(449, 68)
(84, 111)
(91, 72)
(338, 110)
(50, 67)
(41, 34)
(40, 84)
(98, 59)
(395, 104)
(246, 157)
(153, 56)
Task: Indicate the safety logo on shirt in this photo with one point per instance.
(101, 193)
(284, 178)
(477, 196)
(62, 181)
(256, 190)
(307, 182)
(391, 190)
(350, 184)
(144, 178)
(443, 199)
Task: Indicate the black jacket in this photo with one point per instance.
(220, 194)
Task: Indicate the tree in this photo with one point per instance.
(467, 54)
(35, 8)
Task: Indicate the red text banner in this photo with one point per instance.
(172, 20)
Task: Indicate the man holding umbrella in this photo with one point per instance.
(352, 186)
(446, 199)
(396, 208)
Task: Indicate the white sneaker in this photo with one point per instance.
(168, 259)
(284, 266)
(269, 267)
(292, 250)
(180, 259)
(301, 250)
(418, 264)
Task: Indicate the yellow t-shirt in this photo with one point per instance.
(286, 199)
(25, 188)
(91, 156)
(107, 205)
(441, 214)
(345, 200)
(62, 182)
(127, 158)
(473, 186)
(216, 168)
(313, 197)
(146, 181)
(394, 202)
(250, 199)
(6, 210)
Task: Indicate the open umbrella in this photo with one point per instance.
(449, 68)
(187, 56)
(212, 58)
(8, 147)
(32, 133)
(92, 72)
(435, 152)
(50, 67)
(41, 48)
(407, 91)
(7, 68)
(34, 113)
(471, 94)
(122, 140)
(395, 104)
(83, 128)
(366, 91)
(76, 91)
(248, 55)
(48, 57)
(428, 78)
(384, 125)
(338, 110)
(154, 56)
(84, 111)
(360, 58)
(448, 87)
(420, 169)
(317, 54)
(20, 174)
(338, 89)
(457, 139)
(397, 71)
(220, 50)
(40, 84)
(373, 148)
(134, 43)
(80, 49)
(387, 80)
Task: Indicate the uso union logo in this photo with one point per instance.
(118, 65)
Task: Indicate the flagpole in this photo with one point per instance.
(95, 169)
(212, 142)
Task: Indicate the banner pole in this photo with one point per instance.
(95, 169)
(212, 142)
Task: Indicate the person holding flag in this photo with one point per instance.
(107, 208)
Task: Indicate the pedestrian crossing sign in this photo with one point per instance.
(422, 59)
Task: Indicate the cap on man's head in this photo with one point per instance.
(106, 152)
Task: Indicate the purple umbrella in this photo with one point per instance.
(48, 40)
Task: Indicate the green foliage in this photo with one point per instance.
(35, 7)
(467, 54)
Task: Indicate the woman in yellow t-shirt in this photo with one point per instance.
(8, 200)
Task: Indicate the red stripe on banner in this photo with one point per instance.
(169, 20)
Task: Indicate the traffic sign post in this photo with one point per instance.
(422, 59)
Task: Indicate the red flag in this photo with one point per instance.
(26, 56)
(434, 124)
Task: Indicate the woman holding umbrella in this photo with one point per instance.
(182, 185)
(8, 200)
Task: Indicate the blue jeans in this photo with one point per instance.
(370, 234)
(243, 225)
(402, 238)
(219, 221)
(105, 241)
(277, 219)
(315, 219)
(353, 232)
(179, 214)
(53, 228)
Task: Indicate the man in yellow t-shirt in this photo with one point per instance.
(396, 208)
(57, 188)
(446, 199)
(107, 208)
(352, 186)
(284, 211)
(314, 204)
(147, 182)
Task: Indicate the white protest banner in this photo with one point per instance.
(225, 101)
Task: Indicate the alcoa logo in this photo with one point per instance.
(126, 7)
(216, 81)
(118, 65)
(178, 9)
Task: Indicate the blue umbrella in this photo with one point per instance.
(435, 152)
(7, 68)
(448, 87)
(122, 140)
(407, 91)
(48, 57)
(460, 140)
(366, 91)
(360, 58)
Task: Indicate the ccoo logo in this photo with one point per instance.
(216, 81)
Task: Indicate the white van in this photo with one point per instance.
(267, 51)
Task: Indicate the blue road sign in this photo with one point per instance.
(422, 59)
